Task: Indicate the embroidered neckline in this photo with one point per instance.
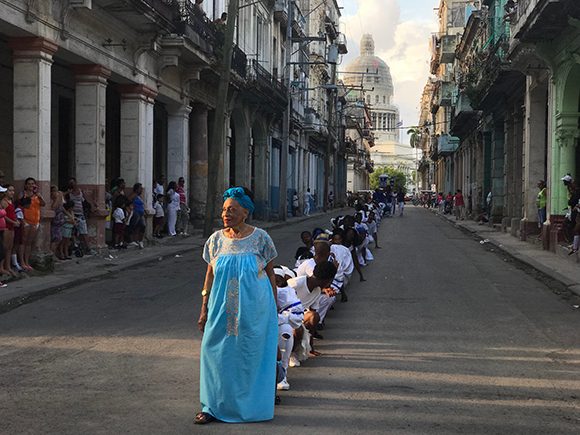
(243, 238)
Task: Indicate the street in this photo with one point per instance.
(443, 337)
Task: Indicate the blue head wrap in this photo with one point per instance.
(240, 196)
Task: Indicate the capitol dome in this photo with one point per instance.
(381, 83)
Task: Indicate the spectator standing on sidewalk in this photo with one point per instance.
(541, 203)
(119, 221)
(574, 203)
(295, 204)
(56, 204)
(172, 208)
(183, 214)
(137, 222)
(7, 203)
(81, 206)
(308, 199)
(459, 205)
(32, 202)
(2, 230)
(159, 218)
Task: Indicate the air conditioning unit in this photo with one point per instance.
(87, 4)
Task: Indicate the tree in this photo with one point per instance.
(415, 136)
(218, 135)
(399, 177)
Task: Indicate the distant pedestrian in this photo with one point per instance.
(32, 203)
(159, 218)
(308, 199)
(295, 204)
(401, 201)
(172, 208)
(459, 205)
(119, 223)
(541, 203)
(330, 199)
(574, 204)
(183, 214)
(137, 221)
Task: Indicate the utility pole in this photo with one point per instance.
(329, 152)
(283, 207)
(218, 135)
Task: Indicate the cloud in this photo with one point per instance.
(403, 44)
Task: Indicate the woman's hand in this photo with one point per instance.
(202, 318)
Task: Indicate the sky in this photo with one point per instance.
(401, 30)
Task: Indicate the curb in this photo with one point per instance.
(33, 295)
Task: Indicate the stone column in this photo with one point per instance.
(90, 143)
(178, 144)
(137, 139)
(32, 121)
(199, 161)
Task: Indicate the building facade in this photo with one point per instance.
(97, 91)
(513, 111)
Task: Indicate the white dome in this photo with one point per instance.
(379, 78)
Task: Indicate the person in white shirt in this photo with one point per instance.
(159, 218)
(345, 264)
(309, 289)
(290, 317)
(172, 207)
(322, 253)
(119, 222)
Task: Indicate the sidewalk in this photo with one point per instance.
(36, 285)
(559, 267)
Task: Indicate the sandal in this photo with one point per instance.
(204, 418)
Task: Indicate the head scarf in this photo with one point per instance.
(240, 196)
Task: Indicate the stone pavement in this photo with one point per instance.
(36, 285)
(558, 266)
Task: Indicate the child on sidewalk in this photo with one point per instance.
(159, 218)
(119, 223)
(67, 229)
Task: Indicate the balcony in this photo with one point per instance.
(465, 118)
(447, 49)
(265, 88)
(540, 20)
(298, 23)
(491, 77)
(281, 12)
(143, 16)
(447, 145)
(446, 91)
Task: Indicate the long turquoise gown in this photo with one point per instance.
(239, 346)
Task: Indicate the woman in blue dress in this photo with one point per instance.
(238, 319)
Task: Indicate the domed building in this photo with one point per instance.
(374, 75)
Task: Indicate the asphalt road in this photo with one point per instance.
(444, 337)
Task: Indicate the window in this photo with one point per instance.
(384, 122)
(384, 99)
(376, 99)
(368, 99)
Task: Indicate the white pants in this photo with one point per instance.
(171, 220)
(285, 343)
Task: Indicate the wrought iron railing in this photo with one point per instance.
(198, 21)
(239, 62)
(263, 77)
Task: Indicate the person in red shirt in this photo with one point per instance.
(459, 205)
